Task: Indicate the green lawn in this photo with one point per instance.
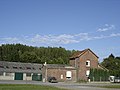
(112, 86)
(26, 87)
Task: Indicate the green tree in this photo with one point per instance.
(24, 53)
(112, 63)
(28, 57)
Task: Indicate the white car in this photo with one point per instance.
(114, 79)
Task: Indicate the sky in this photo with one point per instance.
(71, 24)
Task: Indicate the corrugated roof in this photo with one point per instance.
(20, 67)
(27, 67)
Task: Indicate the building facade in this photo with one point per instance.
(20, 71)
(61, 72)
(83, 61)
(79, 69)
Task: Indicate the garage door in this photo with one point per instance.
(18, 76)
(37, 77)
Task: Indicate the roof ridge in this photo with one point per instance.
(79, 53)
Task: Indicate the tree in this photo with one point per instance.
(112, 63)
(111, 56)
(28, 57)
(24, 53)
(98, 75)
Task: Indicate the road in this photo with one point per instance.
(68, 85)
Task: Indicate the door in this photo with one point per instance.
(37, 77)
(18, 76)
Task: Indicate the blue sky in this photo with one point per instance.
(72, 24)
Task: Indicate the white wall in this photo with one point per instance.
(26, 77)
(10, 77)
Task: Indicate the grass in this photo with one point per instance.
(82, 81)
(26, 87)
(112, 86)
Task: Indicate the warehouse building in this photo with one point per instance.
(20, 71)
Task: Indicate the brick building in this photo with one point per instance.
(83, 61)
(61, 72)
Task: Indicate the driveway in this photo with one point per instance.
(66, 85)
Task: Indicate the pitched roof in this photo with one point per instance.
(20, 67)
(79, 53)
(6, 66)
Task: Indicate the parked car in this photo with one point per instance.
(52, 80)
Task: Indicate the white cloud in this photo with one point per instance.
(106, 36)
(53, 40)
(10, 39)
(48, 39)
(106, 28)
(114, 34)
(83, 36)
(99, 37)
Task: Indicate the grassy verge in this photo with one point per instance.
(26, 87)
(112, 86)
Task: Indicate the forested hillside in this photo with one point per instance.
(23, 53)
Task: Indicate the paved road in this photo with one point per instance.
(70, 86)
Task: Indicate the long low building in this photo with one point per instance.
(78, 69)
(38, 72)
(20, 71)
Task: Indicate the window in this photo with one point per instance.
(61, 76)
(1, 73)
(69, 75)
(8, 74)
(28, 74)
(87, 73)
(14, 67)
(1, 66)
(7, 67)
(20, 67)
(88, 63)
(28, 67)
(33, 68)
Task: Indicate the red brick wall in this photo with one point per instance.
(72, 63)
(87, 56)
(57, 72)
(81, 64)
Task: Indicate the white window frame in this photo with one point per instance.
(87, 73)
(61, 76)
(87, 63)
(69, 75)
